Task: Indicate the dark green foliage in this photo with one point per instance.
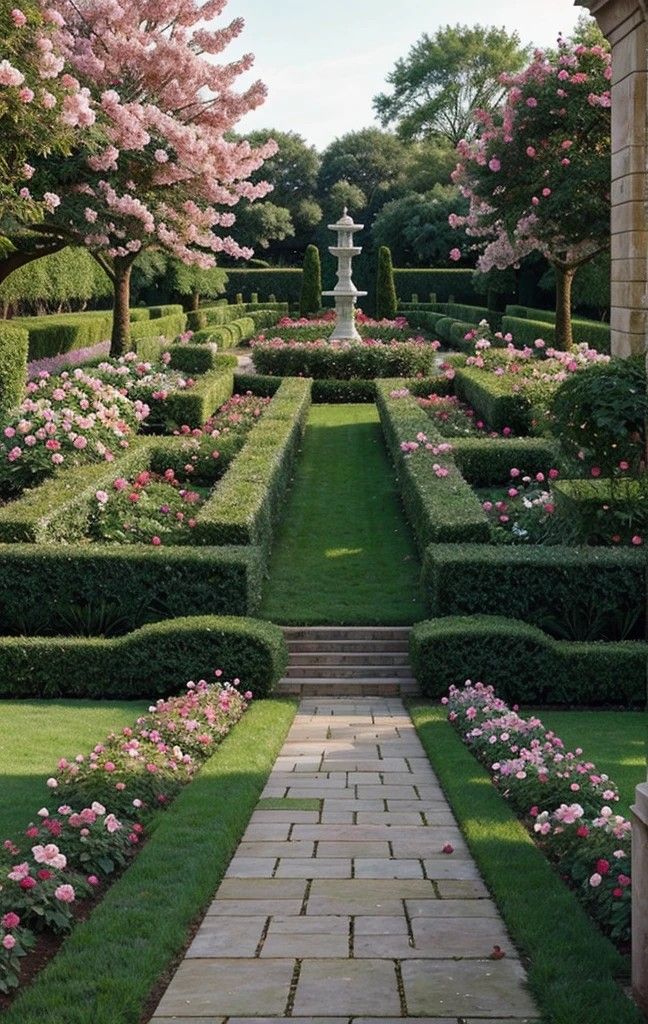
(96, 591)
(526, 665)
(525, 331)
(493, 400)
(51, 335)
(485, 461)
(194, 406)
(13, 367)
(602, 411)
(572, 593)
(439, 509)
(357, 361)
(448, 284)
(167, 326)
(386, 301)
(199, 359)
(228, 335)
(147, 663)
(284, 283)
(256, 383)
(310, 301)
(247, 504)
(593, 511)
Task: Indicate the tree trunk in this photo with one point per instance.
(194, 300)
(120, 339)
(564, 279)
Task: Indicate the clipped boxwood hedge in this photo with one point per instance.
(65, 332)
(439, 509)
(245, 507)
(145, 663)
(97, 590)
(283, 283)
(571, 592)
(451, 284)
(228, 335)
(526, 665)
(485, 461)
(493, 399)
(169, 326)
(194, 406)
(355, 361)
(526, 330)
(14, 343)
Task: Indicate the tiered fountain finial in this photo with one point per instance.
(345, 292)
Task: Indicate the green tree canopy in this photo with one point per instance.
(445, 78)
(415, 227)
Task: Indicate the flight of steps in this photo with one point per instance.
(348, 661)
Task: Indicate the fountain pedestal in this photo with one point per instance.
(345, 292)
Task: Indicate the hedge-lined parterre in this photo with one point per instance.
(494, 399)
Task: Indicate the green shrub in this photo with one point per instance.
(485, 461)
(386, 301)
(14, 344)
(160, 312)
(227, 335)
(572, 593)
(525, 331)
(596, 510)
(199, 359)
(146, 663)
(282, 283)
(257, 383)
(468, 314)
(448, 284)
(245, 507)
(52, 335)
(439, 509)
(310, 300)
(54, 282)
(493, 399)
(366, 362)
(525, 665)
(213, 315)
(193, 406)
(101, 590)
(169, 326)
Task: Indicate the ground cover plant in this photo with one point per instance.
(566, 801)
(69, 851)
(343, 553)
(574, 971)
(113, 961)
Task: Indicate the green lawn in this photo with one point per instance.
(614, 740)
(345, 553)
(574, 971)
(34, 735)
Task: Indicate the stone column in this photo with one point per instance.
(623, 22)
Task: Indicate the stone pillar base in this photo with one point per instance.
(640, 897)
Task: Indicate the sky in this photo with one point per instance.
(324, 60)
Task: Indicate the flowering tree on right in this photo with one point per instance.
(537, 174)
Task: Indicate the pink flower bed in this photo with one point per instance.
(100, 804)
(565, 802)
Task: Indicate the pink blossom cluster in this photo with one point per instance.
(102, 800)
(564, 800)
(66, 420)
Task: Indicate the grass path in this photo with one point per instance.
(344, 554)
(34, 735)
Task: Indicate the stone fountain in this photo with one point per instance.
(345, 292)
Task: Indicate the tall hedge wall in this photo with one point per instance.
(284, 283)
(443, 283)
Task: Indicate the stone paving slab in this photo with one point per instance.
(351, 914)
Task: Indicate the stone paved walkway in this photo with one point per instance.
(350, 910)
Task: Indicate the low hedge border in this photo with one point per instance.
(228, 335)
(525, 331)
(194, 406)
(14, 345)
(493, 400)
(595, 591)
(355, 362)
(146, 663)
(526, 665)
(335, 391)
(186, 357)
(169, 326)
(246, 506)
(439, 509)
(485, 461)
(95, 590)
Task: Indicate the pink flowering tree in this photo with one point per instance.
(41, 108)
(166, 175)
(538, 174)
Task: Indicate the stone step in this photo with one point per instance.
(346, 632)
(349, 671)
(337, 657)
(347, 687)
(348, 646)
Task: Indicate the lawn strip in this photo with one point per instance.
(344, 554)
(108, 968)
(614, 740)
(34, 735)
(572, 966)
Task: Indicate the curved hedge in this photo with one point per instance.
(525, 665)
(146, 663)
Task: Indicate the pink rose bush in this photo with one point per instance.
(102, 801)
(72, 419)
(565, 802)
(311, 355)
(454, 418)
(151, 508)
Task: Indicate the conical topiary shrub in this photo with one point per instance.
(310, 301)
(386, 301)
